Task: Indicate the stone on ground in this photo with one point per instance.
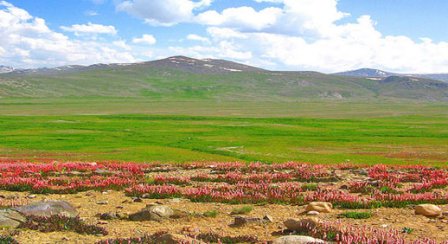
(321, 207)
(155, 213)
(10, 218)
(48, 208)
(300, 224)
(297, 240)
(428, 210)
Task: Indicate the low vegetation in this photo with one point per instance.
(243, 210)
(356, 215)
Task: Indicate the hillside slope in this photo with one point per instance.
(182, 78)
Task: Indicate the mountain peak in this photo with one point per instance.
(6, 69)
(207, 66)
(366, 72)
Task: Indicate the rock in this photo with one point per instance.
(10, 218)
(155, 213)
(321, 207)
(313, 213)
(31, 196)
(299, 224)
(176, 200)
(296, 240)
(242, 220)
(104, 172)
(428, 210)
(48, 208)
(108, 216)
(175, 239)
(122, 215)
(374, 183)
(445, 213)
(344, 187)
(268, 218)
(105, 202)
(137, 199)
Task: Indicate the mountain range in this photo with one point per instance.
(184, 78)
(376, 73)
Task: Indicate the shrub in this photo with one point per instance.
(7, 240)
(356, 215)
(210, 214)
(243, 210)
(61, 223)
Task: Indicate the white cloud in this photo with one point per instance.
(194, 37)
(90, 29)
(29, 42)
(145, 39)
(241, 18)
(306, 35)
(122, 44)
(165, 13)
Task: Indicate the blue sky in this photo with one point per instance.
(321, 35)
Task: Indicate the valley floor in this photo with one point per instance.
(371, 202)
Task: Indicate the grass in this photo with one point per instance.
(356, 215)
(243, 210)
(148, 138)
(210, 214)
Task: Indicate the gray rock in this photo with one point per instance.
(48, 208)
(175, 239)
(297, 240)
(300, 224)
(242, 220)
(155, 213)
(10, 218)
(108, 216)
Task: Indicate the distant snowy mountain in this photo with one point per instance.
(372, 73)
(376, 74)
(6, 69)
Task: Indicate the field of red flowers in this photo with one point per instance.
(347, 187)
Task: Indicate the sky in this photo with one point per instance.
(408, 36)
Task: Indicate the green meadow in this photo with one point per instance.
(156, 131)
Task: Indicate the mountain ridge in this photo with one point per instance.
(183, 78)
(377, 73)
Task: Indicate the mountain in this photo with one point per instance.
(182, 63)
(376, 73)
(6, 69)
(183, 78)
(440, 77)
(366, 73)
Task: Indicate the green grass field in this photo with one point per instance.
(267, 132)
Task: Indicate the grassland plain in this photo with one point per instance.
(180, 131)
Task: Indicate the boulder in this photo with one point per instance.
(242, 220)
(321, 207)
(175, 239)
(155, 213)
(312, 213)
(48, 208)
(428, 210)
(10, 218)
(300, 224)
(297, 240)
(108, 216)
